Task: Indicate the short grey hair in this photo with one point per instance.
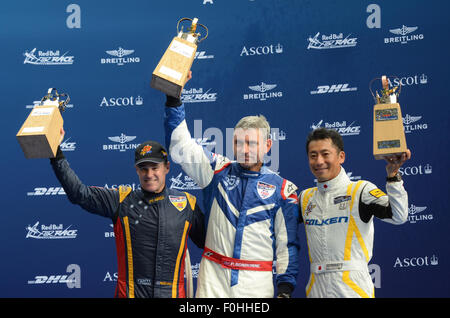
(259, 122)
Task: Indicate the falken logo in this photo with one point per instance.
(120, 57)
(415, 214)
(183, 183)
(48, 57)
(123, 143)
(39, 191)
(335, 88)
(403, 36)
(50, 232)
(72, 281)
(341, 127)
(263, 92)
(329, 221)
(196, 95)
(332, 41)
(410, 126)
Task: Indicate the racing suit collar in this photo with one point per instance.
(338, 181)
(251, 174)
(150, 195)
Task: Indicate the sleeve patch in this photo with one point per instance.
(377, 193)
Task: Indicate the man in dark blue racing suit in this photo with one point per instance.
(151, 224)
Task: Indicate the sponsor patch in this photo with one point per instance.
(265, 190)
(342, 198)
(377, 193)
(178, 201)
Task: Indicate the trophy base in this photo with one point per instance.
(165, 86)
(388, 132)
(381, 156)
(39, 136)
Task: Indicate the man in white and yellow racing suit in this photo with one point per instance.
(338, 218)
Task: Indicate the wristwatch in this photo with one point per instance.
(395, 178)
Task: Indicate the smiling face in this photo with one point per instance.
(152, 176)
(325, 159)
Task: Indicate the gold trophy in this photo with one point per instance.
(40, 135)
(388, 132)
(172, 70)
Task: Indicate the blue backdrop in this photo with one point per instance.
(302, 64)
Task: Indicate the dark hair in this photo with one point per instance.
(323, 133)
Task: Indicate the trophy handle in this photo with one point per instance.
(383, 78)
(189, 19)
(53, 95)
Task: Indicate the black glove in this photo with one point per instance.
(285, 290)
(59, 155)
(173, 101)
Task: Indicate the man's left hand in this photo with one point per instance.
(395, 162)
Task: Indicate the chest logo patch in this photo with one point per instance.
(265, 190)
(309, 208)
(231, 182)
(178, 201)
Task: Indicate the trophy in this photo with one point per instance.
(388, 132)
(40, 135)
(172, 70)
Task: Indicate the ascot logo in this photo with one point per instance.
(262, 50)
(403, 35)
(264, 92)
(123, 143)
(416, 170)
(417, 261)
(122, 101)
(332, 41)
(120, 57)
(409, 80)
(48, 57)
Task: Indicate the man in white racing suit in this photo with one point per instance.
(251, 213)
(338, 218)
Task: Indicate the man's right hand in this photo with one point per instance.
(61, 133)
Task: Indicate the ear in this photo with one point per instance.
(168, 167)
(137, 169)
(268, 145)
(341, 157)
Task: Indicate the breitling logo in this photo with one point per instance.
(263, 92)
(402, 35)
(123, 143)
(120, 58)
